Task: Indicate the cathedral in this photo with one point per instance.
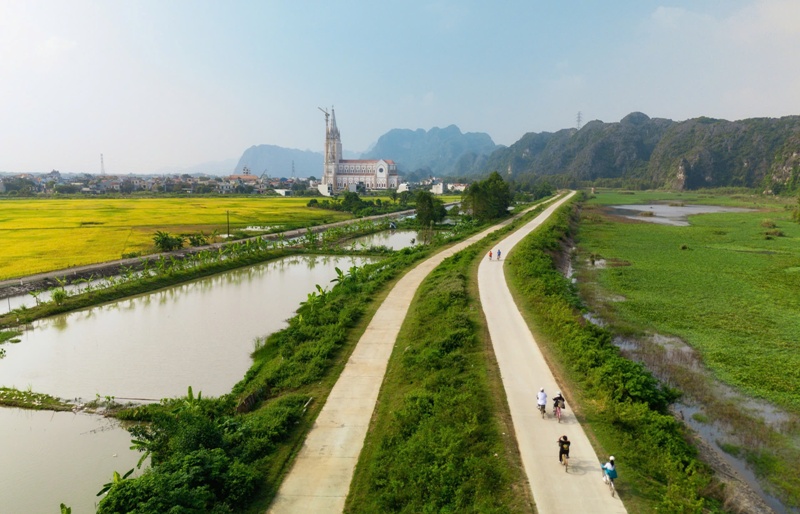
(347, 174)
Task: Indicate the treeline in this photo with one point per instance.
(627, 405)
(353, 203)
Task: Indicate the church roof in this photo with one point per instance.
(366, 161)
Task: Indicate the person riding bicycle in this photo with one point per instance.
(609, 470)
(558, 401)
(563, 448)
(541, 399)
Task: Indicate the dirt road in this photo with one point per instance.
(524, 371)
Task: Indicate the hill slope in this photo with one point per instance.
(656, 152)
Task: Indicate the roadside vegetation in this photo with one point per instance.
(440, 439)
(623, 405)
(723, 294)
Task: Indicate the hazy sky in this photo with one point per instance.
(166, 83)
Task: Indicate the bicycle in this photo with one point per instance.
(609, 480)
(565, 462)
(557, 412)
(543, 410)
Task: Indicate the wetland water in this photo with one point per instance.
(664, 214)
(394, 239)
(154, 345)
(48, 458)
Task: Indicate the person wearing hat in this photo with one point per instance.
(609, 470)
(541, 400)
(558, 401)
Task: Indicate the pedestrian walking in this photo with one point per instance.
(498, 254)
(490, 255)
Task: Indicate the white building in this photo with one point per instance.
(346, 174)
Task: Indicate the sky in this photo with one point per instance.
(155, 85)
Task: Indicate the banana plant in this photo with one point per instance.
(115, 479)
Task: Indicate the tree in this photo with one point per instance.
(429, 208)
(488, 199)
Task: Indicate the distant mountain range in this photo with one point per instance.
(434, 152)
(636, 151)
(656, 152)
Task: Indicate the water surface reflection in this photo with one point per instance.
(155, 345)
(49, 458)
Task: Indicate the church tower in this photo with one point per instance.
(333, 151)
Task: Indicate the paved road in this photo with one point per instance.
(524, 371)
(320, 476)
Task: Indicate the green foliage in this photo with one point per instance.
(429, 208)
(198, 239)
(488, 199)
(166, 242)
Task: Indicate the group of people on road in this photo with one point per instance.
(492, 253)
(609, 468)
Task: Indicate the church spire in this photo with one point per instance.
(334, 130)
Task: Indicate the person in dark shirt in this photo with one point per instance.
(563, 448)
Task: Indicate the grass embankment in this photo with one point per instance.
(621, 403)
(726, 286)
(41, 235)
(437, 442)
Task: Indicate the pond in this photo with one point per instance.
(394, 239)
(155, 345)
(51, 458)
(676, 215)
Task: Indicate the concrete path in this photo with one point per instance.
(320, 476)
(524, 371)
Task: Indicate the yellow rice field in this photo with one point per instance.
(39, 235)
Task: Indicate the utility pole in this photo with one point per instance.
(228, 214)
(102, 166)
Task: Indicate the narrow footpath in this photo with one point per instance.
(523, 371)
(320, 477)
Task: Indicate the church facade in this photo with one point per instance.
(347, 174)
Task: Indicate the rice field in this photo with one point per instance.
(40, 235)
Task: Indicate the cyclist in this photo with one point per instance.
(558, 401)
(609, 470)
(541, 400)
(563, 448)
